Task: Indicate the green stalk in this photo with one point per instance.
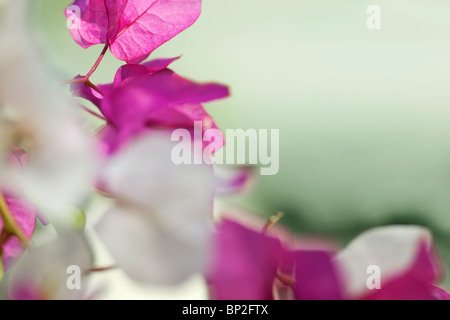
(9, 224)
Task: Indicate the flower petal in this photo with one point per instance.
(244, 263)
(233, 179)
(97, 21)
(132, 28)
(415, 283)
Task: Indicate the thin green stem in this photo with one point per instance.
(100, 269)
(273, 220)
(85, 79)
(9, 224)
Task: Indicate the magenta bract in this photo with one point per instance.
(131, 28)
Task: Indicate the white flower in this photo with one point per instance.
(158, 231)
(393, 249)
(36, 116)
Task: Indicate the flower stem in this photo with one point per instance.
(273, 220)
(100, 269)
(85, 79)
(10, 225)
(97, 63)
(1, 267)
(285, 279)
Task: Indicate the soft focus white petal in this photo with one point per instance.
(159, 230)
(44, 269)
(392, 248)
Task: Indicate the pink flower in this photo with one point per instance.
(43, 273)
(233, 180)
(131, 28)
(150, 96)
(158, 226)
(316, 275)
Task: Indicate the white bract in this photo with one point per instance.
(158, 231)
(392, 249)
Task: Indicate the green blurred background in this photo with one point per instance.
(363, 115)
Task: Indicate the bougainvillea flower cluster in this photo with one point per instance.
(132, 28)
